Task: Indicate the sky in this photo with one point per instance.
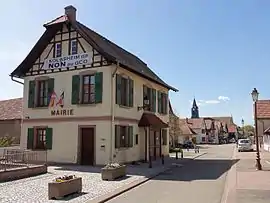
(215, 51)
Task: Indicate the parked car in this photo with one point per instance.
(244, 145)
(188, 145)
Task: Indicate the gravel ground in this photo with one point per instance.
(35, 189)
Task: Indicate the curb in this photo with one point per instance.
(106, 197)
(230, 181)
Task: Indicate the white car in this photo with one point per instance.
(244, 145)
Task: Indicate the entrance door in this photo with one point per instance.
(87, 146)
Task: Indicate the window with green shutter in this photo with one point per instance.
(124, 91)
(150, 93)
(49, 138)
(98, 87)
(130, 136)
(123, 136)
(31, 94)
(162, 103)
(75, 96)
(30, 138)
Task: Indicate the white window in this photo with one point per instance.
(74, 47)
(58, 50)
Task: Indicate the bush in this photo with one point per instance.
(176, 150)
(6, 141)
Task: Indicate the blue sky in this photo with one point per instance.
(217, 51)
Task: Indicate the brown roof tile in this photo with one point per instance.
(263, 109)
(185, 128)
(11, 109)
(195, 123)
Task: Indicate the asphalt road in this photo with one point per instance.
(198, 181)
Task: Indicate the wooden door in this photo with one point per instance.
(87, 146)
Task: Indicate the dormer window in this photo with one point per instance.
(58, 50)
(74, 47)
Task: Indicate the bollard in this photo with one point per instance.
(182, 155)
(176, 154)
(162, 159)
(150, 162)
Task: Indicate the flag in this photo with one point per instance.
(61, 100)
(52, 99)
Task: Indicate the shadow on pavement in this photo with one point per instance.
(199, 170)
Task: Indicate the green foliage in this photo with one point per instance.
(6, 141)
(176, 150)
(249, 129)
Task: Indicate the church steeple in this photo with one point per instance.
(194, 110)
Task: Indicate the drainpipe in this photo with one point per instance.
(16, 80)
(112, 110)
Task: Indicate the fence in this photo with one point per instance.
(15, 158)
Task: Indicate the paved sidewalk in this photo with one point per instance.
(244, 183)
(149, 173)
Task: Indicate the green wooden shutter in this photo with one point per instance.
(130, 136)
(144, 94)
(50, 88)
(166, 104)
(31, 94)
(98, 87)
(117, 136)
(30, 138)
(75, 96)
(159, 102)
(154, 99)
(49, 138)
(131, 92)
(118, 89)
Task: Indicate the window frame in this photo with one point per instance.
(58, 50)
(124, 143)
(147, 91)
(40, 144)
(72, 51)
(125, 93)
(42, 95)
(83, 93)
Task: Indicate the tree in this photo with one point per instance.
(248, 129)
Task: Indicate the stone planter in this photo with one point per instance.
(61, 189)
(113, 173)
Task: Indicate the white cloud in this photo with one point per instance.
(223, 98)
(212, 101)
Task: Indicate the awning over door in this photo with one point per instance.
(151, 120)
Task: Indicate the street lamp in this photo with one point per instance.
(255, 95)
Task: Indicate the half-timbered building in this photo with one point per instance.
(88, 101)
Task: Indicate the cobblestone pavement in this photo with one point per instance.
(35, 189)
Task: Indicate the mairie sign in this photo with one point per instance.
(67, 61)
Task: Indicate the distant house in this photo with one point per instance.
(10, 118)
(263, 122)
(187, 133)
(210, 129)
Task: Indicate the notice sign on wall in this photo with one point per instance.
(67, 61)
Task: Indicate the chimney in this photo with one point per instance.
(70, 11)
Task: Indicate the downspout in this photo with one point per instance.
(112, 110)
(16, 80)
